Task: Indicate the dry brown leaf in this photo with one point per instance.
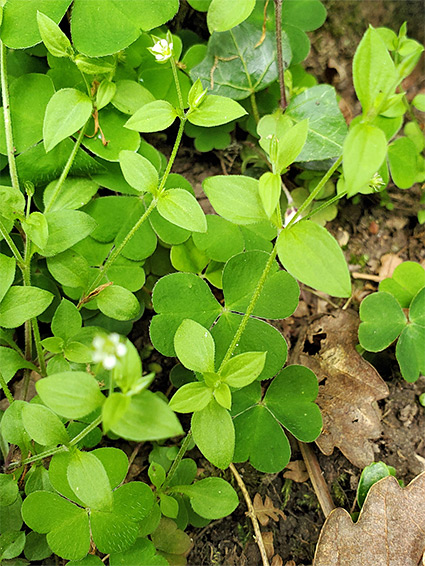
(266, 511)
(348, 386)
(268, 543)
(388, 263)
(296, 471)
(390, 530)
(290, 563)
(277, 560)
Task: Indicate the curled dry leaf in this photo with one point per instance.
(296, 471)
(348, 386)
(266, 511)
(390, 530)
(268, 544)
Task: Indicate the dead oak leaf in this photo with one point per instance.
(266, 511)
(348, 386)
(390, 530)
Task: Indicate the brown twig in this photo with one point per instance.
(278, 17)
(358, 275)
(251, 514)
(319, 485)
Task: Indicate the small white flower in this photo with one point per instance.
(162, 50)
(107, 350)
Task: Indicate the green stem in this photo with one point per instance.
(7, 119)
(61, 448)
(325, 205)
(316, 191)
(39, 347)
(183, 449)
(255, 107)
(67, 168)
(250, 308)
(177, 83)
(5, 234)
(278, 17)
(6, 389)
(173, 155)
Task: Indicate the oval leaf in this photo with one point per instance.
(182, 209)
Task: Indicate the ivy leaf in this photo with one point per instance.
(67, 111)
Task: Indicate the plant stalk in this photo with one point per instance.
(6, 389)
(177, 83)
(278, 18)
(183, 449)
(17, 254)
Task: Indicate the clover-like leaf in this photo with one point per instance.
(407, 279)
(410, 352)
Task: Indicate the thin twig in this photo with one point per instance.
(376, 278)
(319, 485)
(251, 514)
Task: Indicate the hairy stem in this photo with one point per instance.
(177, 83)
(17, 254)
(254, 107)
(278, 17)
(183, 449)
(67, 168)
(6, 389)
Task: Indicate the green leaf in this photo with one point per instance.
(67, 111)
(7, 274)
(236, 198)
(12, 427)
(43, 425)
(36, 547)
(211, 498)
(327, 128)
(73, 194)
(269, 189)
(113, 409)
(66, 525)
(216, 110)
(25, 12)
(147, 418)
(105, 93)
(407, 279)
(191, 397)
(221, 241)
(382, 321)
(231, 67)
(117, 136)
(11, 544)
(71, 394)
(88, 480)
(167, 538)
(8, 489)
(29, 96)
(370, 475)
(175, 297)
(208, 425)
(223, 15)
(419, 102)
(313, 256)
(194, 346)
(409, 350)
(365, 149)
(115, 463)
(182, 209)
(223, 395)
(279, 296)
(22, 303)
(66, 228)
(53, 37)
(12, 203)
(69, 268)
(36, 228)
(186, 257)
(139, 172)
(144, 241)
(291, 398)
(291, 145)
(243, 369)
(402, 158)
(129, 96)
(152, 117)
(66, 321)
(143, 551)
(103, 27)
(118, 303)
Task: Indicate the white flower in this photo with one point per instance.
(107, 350)
(162, 50)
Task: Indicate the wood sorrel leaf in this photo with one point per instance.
(216, 110)
(373, 69)
(152, 117)
(191, 397)
(175, 297)
(88, 480)
(48, 513)
(211, 498)
(236, 198)
(409, 350)
(382, 321)
(313, 256)
(66, 228)
(187, 257)
(194, 346)
(208, 425)
(72, 394)
(67, 111)
(43, 425)
(279, 297)
(8, 489)
(22, 303)
(53, 37)
(139, 172)
(407, 279)
(7, 273)
(181, 208)
(118, 303)
(223, 15)
(291, 398)
(243, 369)
(364, 151)
(143, 551)
(221, 241)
